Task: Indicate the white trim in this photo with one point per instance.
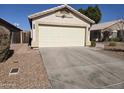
(58, 24)
(57, 8)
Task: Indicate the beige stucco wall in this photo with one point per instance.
(52, 19)
(74, 19)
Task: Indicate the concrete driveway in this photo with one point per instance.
(80, 67)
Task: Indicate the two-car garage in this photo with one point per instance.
(60, 26)
(59, 36)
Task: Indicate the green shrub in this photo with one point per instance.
(107, 39)
(115, 39)
(112, 43)
(93, 43)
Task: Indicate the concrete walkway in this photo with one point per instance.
(79, 67)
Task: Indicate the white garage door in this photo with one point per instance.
(53, 36)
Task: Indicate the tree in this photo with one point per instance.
(82, 11)
(93, 13)
(99, 14)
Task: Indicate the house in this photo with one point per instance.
(60, 26)
(13, 31)
(107, 30)
(8, 34)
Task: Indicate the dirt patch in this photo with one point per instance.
(31, 74)
(116, 54)
(118, 46)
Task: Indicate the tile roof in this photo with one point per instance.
(105, 25)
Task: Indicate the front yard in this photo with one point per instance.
(115, 46)
(31, 72)
(116, 50)
(90, 68)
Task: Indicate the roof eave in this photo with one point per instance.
(83, 16)
(11, 25)
(59, 7)
(45, 12)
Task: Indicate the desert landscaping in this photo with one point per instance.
(63, 48)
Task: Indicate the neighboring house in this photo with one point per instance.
(107, 30)
(60, 26)
(15, 32)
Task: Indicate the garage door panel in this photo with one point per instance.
(60, 36)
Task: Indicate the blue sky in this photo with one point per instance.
(17, 14)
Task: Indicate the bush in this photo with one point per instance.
(4, 45)
(93, 43)
(115, 39)
(112, 43)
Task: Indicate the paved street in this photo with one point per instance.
(79, 67)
